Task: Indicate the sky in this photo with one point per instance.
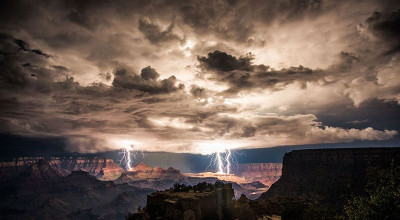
(199, 76)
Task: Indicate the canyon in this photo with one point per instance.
(95, 187)
(42, 191)
(314, 183)
(100, 167)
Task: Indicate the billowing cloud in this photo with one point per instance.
(241, 74)
(146, 82)
(223, 62)
(149, 73)
(383, 27)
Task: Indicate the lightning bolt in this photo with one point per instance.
(227, 160)
(220, 164)
(128, 155)
(234, 158)
(128, 158)
(223, 163)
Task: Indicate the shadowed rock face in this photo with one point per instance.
(37, 176)
(41, 190)
(328, 176)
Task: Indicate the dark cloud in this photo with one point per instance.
(21, 67)
(17, 45)
(149, 73)
(130, 80)
(155, 34)
(198, 92)
(241, 74)
(385, 27)
(223, 62)
(25, 46)
(60, 68)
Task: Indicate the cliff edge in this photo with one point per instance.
(327, 176)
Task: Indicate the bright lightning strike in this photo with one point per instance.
(227, 159)
(223, 164)
(220, 164)
(128, 153)
(126, 156)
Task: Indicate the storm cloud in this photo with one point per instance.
(241, 74)
(190, 76)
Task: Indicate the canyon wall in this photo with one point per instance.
(102, 168)
(267, 173)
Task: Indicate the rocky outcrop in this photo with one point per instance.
(110, 171)
(144, 176)
(142, 167)
(202, 201)
(154, 178)
(267, 173)
(102, 168)
(327, 177)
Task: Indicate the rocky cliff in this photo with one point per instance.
(327, 176)
(266, 173)
(102, 168)
(201, 201)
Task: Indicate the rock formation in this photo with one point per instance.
(326, 178)
(143, 176)
(201, 201)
